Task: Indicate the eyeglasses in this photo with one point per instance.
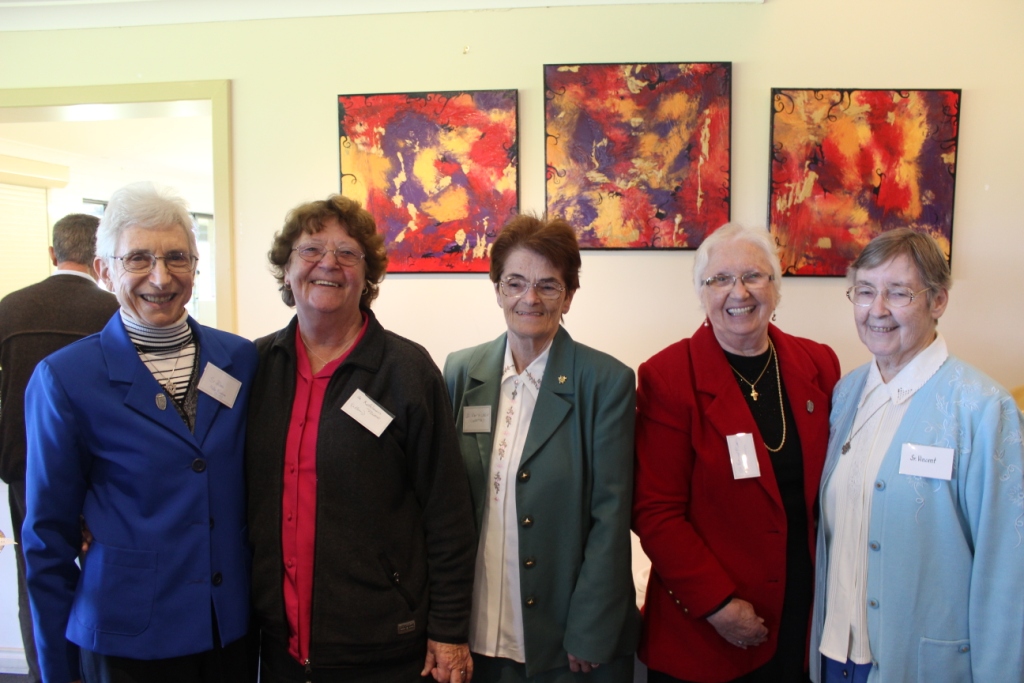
(898, 297)
(314, 253)
(753, 280)
(515, 287)
(145, 261)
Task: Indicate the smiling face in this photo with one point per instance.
(739, 316)
(156, 298)
(531, 320)
(895, 335)
(326, 288)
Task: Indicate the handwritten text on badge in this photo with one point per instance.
(476, 419)
(367, 412)
(218, 384)
(926, 461)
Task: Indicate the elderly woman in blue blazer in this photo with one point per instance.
(139, 430)
(546, 429)
(921, 542)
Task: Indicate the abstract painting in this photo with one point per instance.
(438, 171)
(638, 154)
(847, 165)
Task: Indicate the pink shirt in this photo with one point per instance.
(298, 500)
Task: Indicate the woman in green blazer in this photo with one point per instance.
(546, 430)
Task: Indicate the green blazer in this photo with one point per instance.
(574, 491)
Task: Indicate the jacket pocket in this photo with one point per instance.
(944, 660)
(396, 580)
(116, 588)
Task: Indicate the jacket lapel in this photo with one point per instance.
(485, 387)
(553, 404)
(727, 410)
(210, 352)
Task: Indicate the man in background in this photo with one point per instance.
(35, 322)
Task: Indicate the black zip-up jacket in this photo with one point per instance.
(395, 537)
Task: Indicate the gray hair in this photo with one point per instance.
(919, 248)
(142, 205)
(734, 232)
(74, 239)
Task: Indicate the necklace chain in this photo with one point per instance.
(782, 405)
(753, 389)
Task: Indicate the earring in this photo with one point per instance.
(287, 285)
(773, 316)
(707, 323)
(366, 290)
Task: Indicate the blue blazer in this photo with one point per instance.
(166, 507)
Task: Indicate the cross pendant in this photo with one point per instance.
(846, 448)
(753, 393)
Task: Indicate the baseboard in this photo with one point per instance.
(12, 660)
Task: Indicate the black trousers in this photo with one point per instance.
(228, 664)
(277, 666)
(16, 497)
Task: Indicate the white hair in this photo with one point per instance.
(728, 234)
(142, 205)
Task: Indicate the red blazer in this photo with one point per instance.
(708, 535)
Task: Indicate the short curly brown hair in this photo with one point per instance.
(309, 219)
(553, 239)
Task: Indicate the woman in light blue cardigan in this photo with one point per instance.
(921, 540)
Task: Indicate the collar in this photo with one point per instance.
(533, 373)
(914, 374)
(74, 272)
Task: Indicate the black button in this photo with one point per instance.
(530, 601)
(879, 485)
(527, 521)
(874, 545)
(198, 465)
(211, 522)
(524, 475)
(217, 579)
(529, 563)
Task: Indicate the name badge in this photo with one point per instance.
(926, 461)
(743, 456)
(367, 412)
(218, 384)
(476, 419)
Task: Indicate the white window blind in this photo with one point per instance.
(24, 237)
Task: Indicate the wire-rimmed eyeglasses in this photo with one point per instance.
(314, 253)
(865, 295)
(145, 261)
(515, 287)
(751, 280)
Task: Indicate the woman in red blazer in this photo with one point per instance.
(732, 426)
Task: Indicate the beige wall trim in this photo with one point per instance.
(32, 173)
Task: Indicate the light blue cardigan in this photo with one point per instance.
(946, 558)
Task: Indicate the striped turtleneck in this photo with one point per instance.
(169, 352)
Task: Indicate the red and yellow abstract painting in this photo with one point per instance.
(638, 154)
(847, 165)
(438, 171)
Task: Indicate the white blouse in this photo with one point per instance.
(496, 622)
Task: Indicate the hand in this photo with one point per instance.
(739, 624)
(577, 665)
(448, 662)
(87, 538)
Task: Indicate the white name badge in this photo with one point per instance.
(926, 461)
(476, 419)
(219, 384)
(367, 412)
(743, 456)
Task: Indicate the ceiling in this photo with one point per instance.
(38, 15)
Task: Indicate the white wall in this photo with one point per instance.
(286, 75)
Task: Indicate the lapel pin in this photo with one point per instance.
(161, 401)
(810, 406)
(561, 379)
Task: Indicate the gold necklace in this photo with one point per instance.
(344, 348)
(753, 390)
(782, 405)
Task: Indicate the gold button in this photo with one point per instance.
(530, 602)
(524, 475)
(527, 521)
(530, 563)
